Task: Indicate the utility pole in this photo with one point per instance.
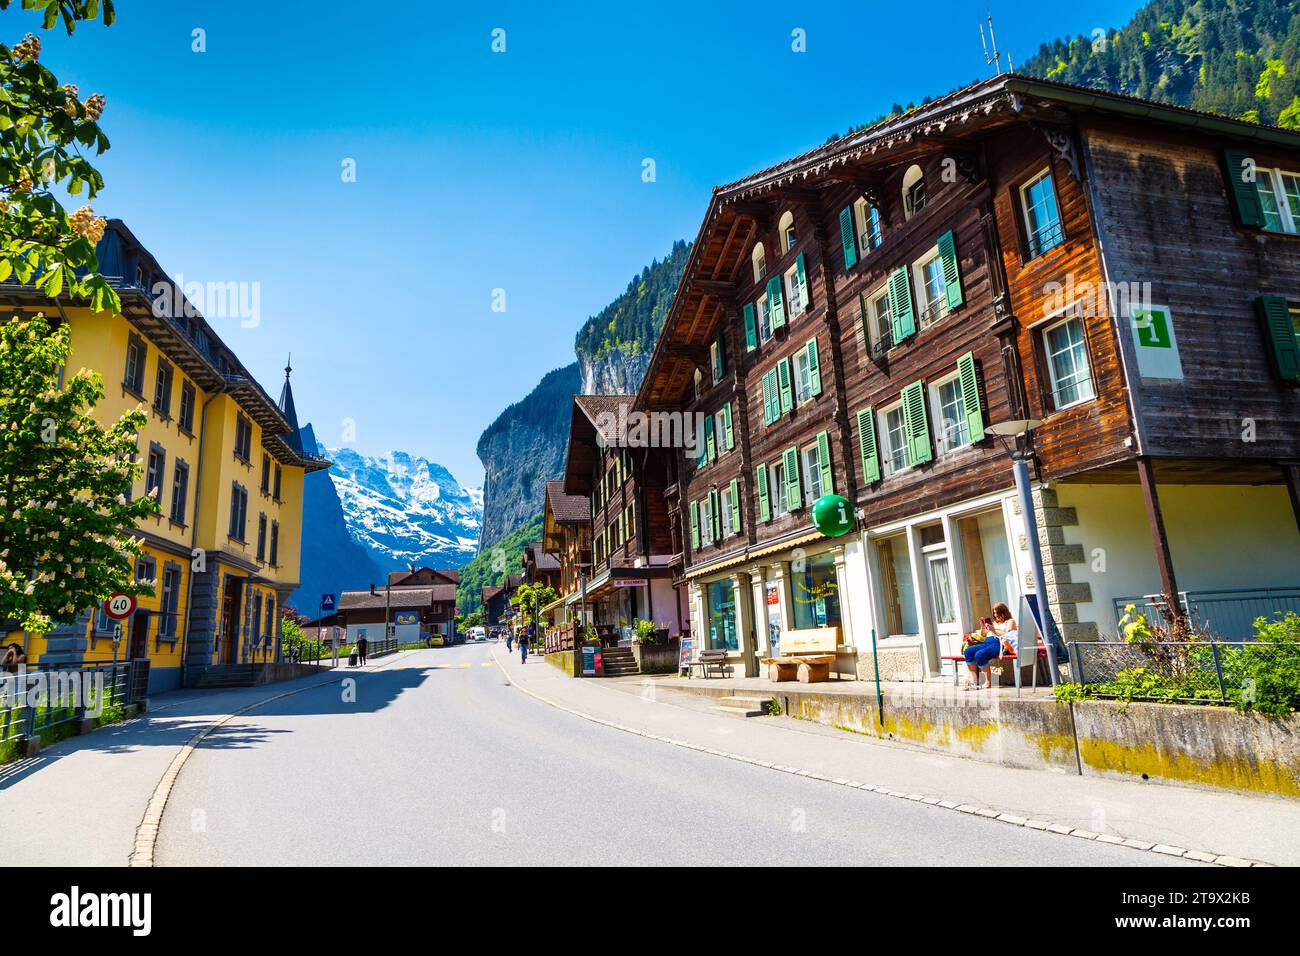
(388, 614)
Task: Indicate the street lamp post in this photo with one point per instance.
(1019, 431)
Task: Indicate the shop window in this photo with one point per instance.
(897, 589)
(816, 593)
(722, 625)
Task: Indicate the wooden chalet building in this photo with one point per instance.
(421, 603)
(854, 320)
(496, 600)
(632, 554)
(541, 568)
(566, 536)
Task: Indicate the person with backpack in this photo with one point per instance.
(523, 647)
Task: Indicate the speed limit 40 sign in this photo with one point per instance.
(119, 606)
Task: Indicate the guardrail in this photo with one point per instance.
(41, 697)
(1227, 613)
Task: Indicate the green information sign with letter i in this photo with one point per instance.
(1154, 342)
(832, 515)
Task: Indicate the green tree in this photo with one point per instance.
(65, 480)
(45, 127)
(531, 598)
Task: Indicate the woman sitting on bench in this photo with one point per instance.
(999, 637)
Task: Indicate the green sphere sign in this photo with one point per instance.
(832, 515)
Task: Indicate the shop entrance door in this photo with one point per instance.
(947, 629)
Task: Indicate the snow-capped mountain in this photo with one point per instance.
(406, 510)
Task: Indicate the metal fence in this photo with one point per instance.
(41, 697)
(1205, 672)
(1227, 613)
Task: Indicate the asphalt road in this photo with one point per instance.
(438, 760)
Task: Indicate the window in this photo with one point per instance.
(275, 487)
(720, 430)
(728, 528)
(881, 328)
(764, 320)
(269, 633)
(1279, 194)
(243, 439)
(1042, 218)
(266, 474)
(261, 537)
(776, 489)
(180, 491)
(257, 617)
(136, 352)
(759, 259)
(891, 436)
(931, 288)
(1067, 362)
(803, 390)
(723, 631)
(786, 230)
(812, 475)
(186, 417)
(170, 601)
(146, 569)
(153, 475)
(868, 223)
(948, 409)
(796, 290)
(897, 591)
(716, 361)
(162, 390)
(238, 510)
(816, 593)
(913, 191)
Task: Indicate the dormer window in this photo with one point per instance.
(760, 262)
(786, 229)
(913, 191)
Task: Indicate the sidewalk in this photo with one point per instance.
(80, 801)
(1153, 817)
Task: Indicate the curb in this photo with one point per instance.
(1199, 856)
(146, 834)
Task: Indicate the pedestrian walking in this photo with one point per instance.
(510, 640)
(523, 648)
(362, 646)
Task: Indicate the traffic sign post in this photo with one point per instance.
(326, 604)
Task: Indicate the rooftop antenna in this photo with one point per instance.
(994, 59)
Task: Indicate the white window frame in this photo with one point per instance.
(1026, 205)
(714, 349)
(802, 377)
(776, 502)
(758, 258)
(795, 304)
(809, 459)
(1050, 325)
(924, 303)
(724, 502)
(785, 227)
(764, 320)
(884, 443)
(1287, 219)
(699, 383)
(879, 327)
(862, 213)
(915, 174)
(943, 440)
(720, 433)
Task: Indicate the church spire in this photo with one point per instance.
(294, 437)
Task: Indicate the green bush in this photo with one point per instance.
(1270, 679)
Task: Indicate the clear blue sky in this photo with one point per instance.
(475, 171)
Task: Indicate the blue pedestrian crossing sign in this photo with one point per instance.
(326, 603)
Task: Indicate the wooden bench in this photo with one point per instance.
(715, 660)
(960, 659)
(806, 668)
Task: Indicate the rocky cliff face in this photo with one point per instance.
(525, 446)
(521, 450)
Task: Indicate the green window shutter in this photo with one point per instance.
(751, 328)
(951, 270)
(767, 398)
(814, 368)
(701, 449)
(824, 459)
(847, 239)
(1241, 192)
(786, 387)
(1280, 335)
(775, 304)
(715, 515)
(764, 503)
(802, 274)
(729, 436)
(710, 441)
(695, 524)
(720, 365)
(916, 425)
(867, 445)
(793, 483)
(902, 318)
(735, 505)
(970, 396)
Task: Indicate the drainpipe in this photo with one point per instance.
(194, 537)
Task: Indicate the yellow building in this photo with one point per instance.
(224, 460)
